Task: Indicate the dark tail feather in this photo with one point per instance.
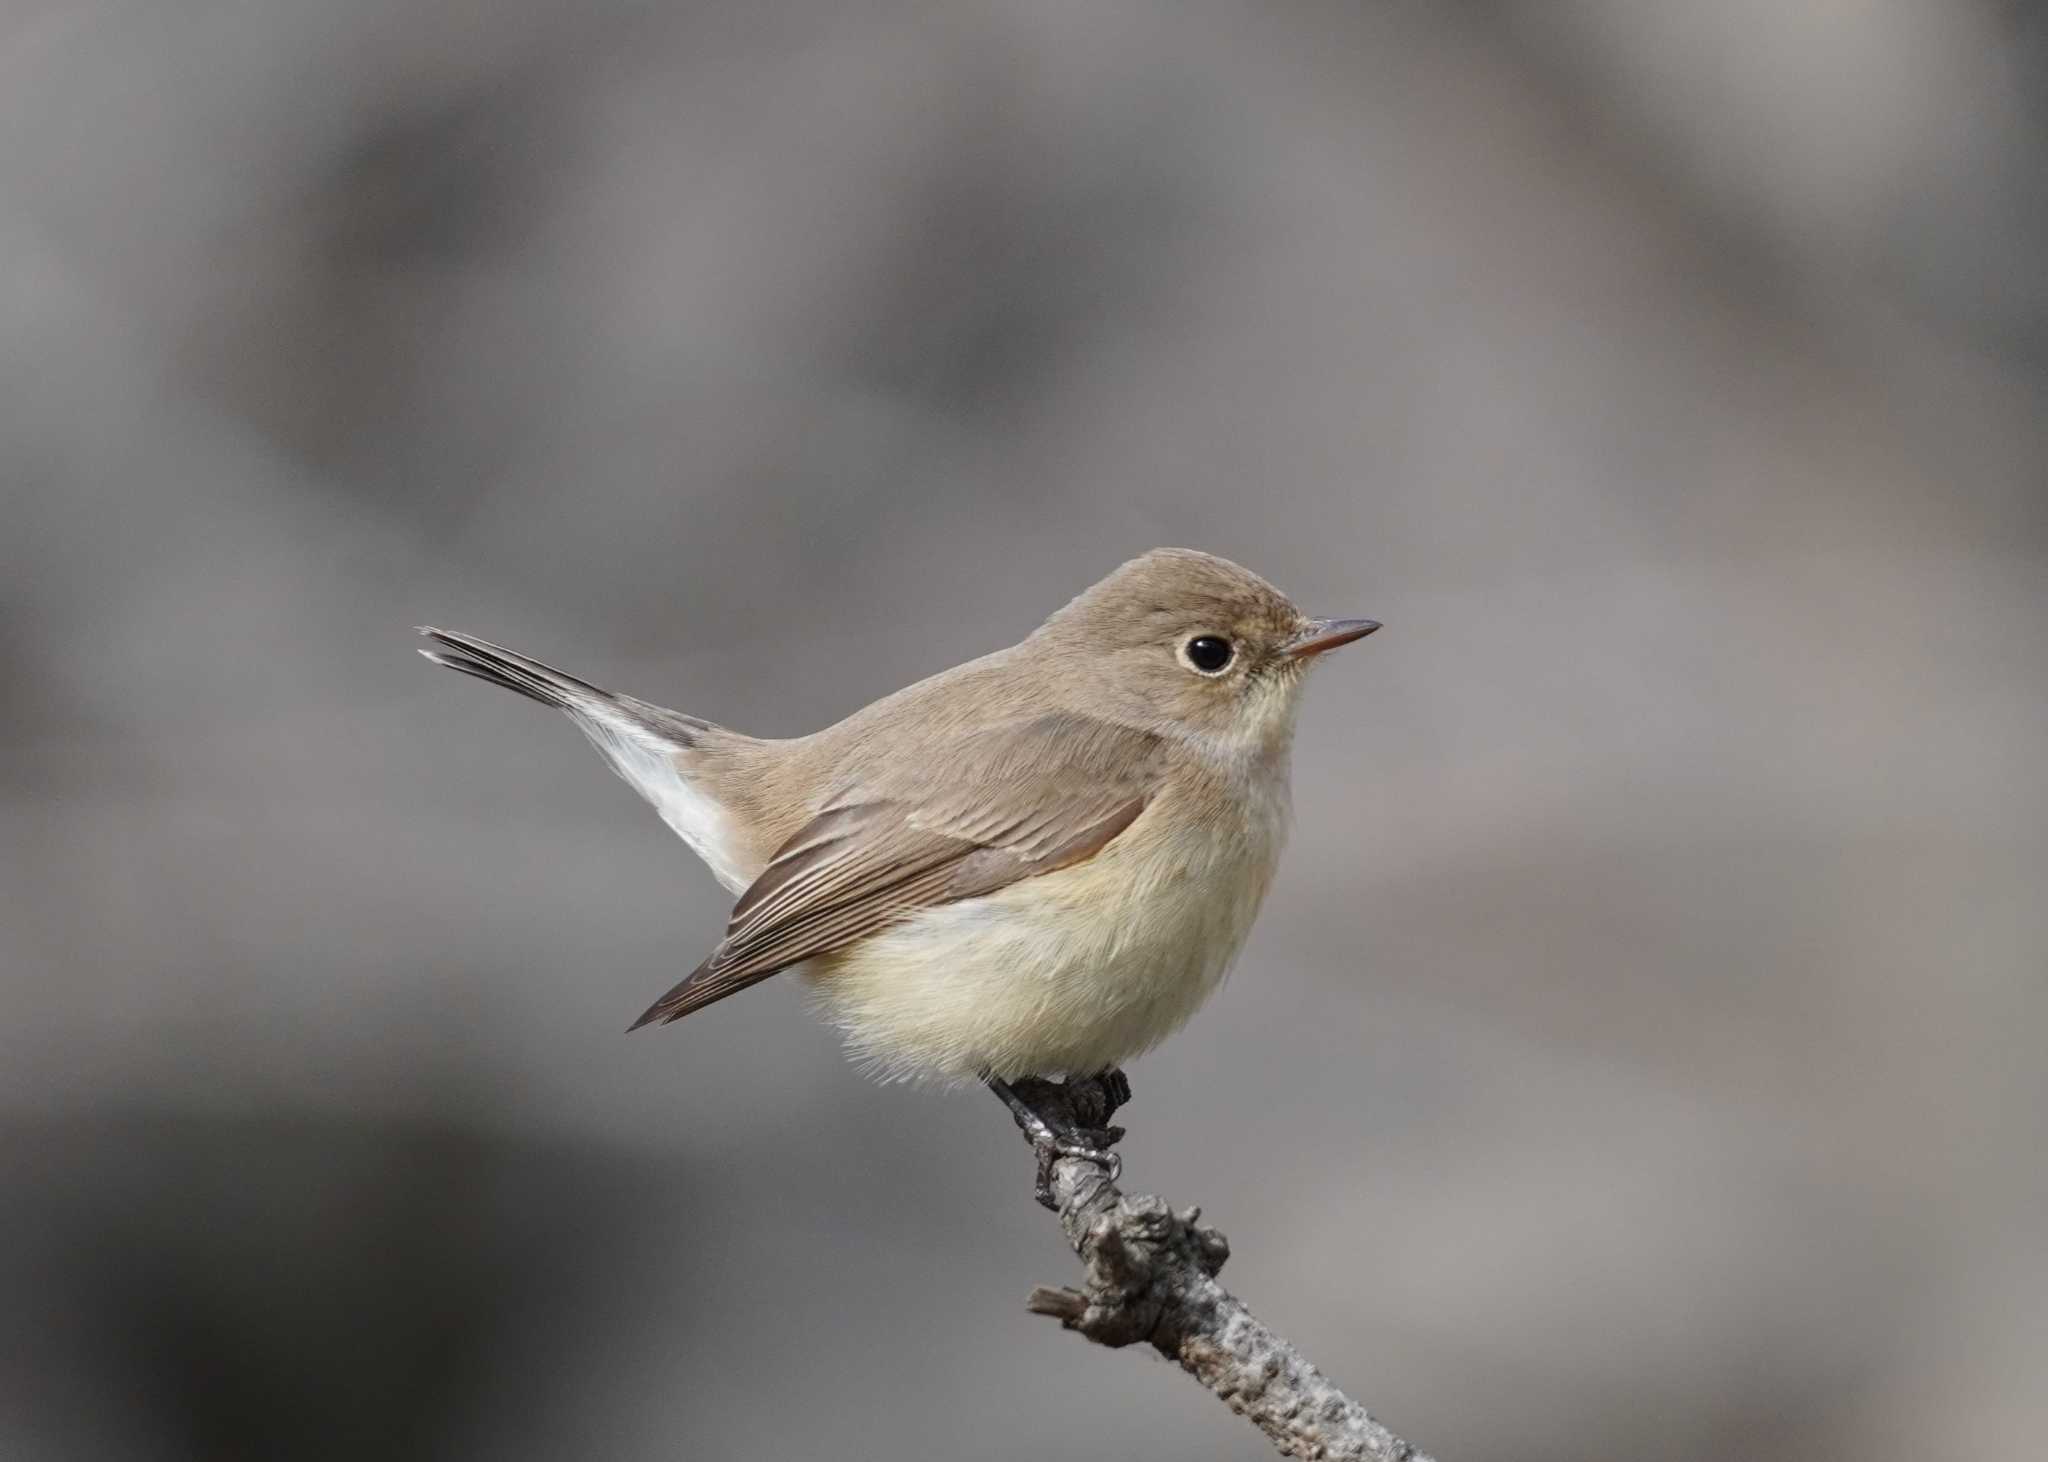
(558, 688)
(500, 666)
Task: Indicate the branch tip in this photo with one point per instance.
(1059, 1302)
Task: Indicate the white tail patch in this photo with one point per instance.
(649, 765)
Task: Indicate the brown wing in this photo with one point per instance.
(1015, 801)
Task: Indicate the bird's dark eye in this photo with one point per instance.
(1207, 654)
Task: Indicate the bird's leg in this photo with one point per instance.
(1116, 1090)
(1067, 1119)
(1035, 1127)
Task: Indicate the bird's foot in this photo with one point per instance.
(1068, 1119)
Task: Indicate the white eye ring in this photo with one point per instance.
(1199, 652)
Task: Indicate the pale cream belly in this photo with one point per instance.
(1072, 972)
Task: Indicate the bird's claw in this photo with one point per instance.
(1082, 1108)
(1082, 1145)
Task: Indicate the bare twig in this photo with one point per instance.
(1151, 1276)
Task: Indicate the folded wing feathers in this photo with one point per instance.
(731, 969)
(854, 890)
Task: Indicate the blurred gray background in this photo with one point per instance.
(1641, 1054)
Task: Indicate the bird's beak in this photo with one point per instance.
(1326, 634)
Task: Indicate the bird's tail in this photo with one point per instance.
(500, 666)
(587, 704)
(669, 758)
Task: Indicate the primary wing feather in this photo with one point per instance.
(1015, 801)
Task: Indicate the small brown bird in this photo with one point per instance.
(1039, 862)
